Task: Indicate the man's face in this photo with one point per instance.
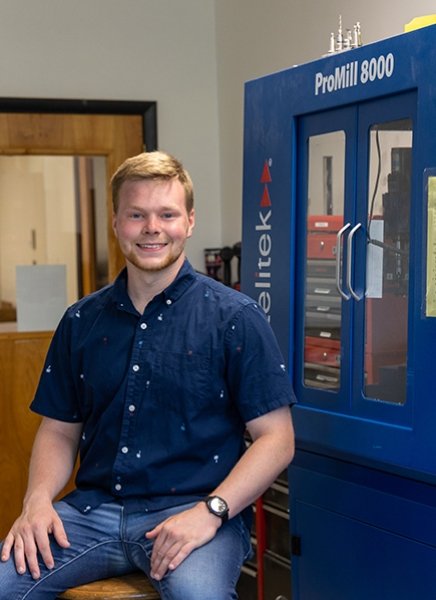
(152, 224)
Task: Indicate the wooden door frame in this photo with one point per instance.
(146, 109)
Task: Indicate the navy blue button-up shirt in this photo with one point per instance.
(163, 396)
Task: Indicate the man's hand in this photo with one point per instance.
(176, 537)
(30, 535)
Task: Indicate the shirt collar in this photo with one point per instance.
(184, 279)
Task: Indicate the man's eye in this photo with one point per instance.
(167, 215)
(135, 215)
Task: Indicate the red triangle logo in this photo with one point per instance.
(266, 200)
(266, 175)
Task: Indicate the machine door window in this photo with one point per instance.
(325, 217)
(387, 261)
(326, 176)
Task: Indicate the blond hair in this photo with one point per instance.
(153, 166)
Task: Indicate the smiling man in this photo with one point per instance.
(153, 380)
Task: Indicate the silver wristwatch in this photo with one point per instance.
(218, 507)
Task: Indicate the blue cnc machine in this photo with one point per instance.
(339, 248)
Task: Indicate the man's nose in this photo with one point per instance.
(151, 224)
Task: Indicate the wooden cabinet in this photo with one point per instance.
(22, 359)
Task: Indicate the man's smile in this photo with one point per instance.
(152, 246)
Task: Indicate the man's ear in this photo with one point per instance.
(114, 224)
(191, 219)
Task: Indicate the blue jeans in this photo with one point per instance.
(106, 542)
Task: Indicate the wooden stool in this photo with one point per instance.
(134, 586)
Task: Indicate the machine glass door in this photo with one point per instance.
(387, 260)
(322, 299)
(326, 175)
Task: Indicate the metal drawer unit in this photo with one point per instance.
(251, 573)
(247, 583)
(323, 304)
(277, 552)
(247, 586)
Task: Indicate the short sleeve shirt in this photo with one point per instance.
(163, 396)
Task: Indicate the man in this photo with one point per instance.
(154, 380)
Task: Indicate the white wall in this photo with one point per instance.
(257, 37)
(192, 57)
(161, 50)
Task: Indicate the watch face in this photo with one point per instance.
(218, 505)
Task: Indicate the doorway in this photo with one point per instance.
(111, 131)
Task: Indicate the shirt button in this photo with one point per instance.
(135, 368)
(124, 449)
(169, 301)
(143, 325)
(118, 487)
(132, 408)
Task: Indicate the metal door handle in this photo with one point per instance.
(350, 261)
(339, 260)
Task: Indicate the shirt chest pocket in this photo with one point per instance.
(183, 382)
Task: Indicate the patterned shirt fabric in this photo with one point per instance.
(163, 396)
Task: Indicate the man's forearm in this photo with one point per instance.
(270, 453)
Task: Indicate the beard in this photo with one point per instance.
(153, 265)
